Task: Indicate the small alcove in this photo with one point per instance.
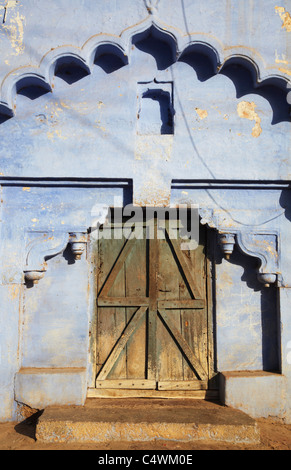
(155, 109)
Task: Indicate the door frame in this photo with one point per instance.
(211, 393)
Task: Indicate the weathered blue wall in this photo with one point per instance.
(78, 131)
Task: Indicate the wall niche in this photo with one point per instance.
(155, 115)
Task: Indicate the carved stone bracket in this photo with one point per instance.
(44, 245)
(265, 247)
(78, 242)
(227, 243)
(261, 245)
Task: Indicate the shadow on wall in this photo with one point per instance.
(4, 118)
(157, 44)
(163, 48)
(110, 59)
(244, 79)
(268, 307)
(166, 121)
(285, 202)
(70, 71)
(203, 64)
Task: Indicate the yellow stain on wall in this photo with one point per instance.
(15, 31)
(283, 70)
(246, 110)
(64, 105)
(57, 133)
(13, 291)
(202, 113)
(11, 3)
(285, 17)
(280, 60)
(158, 147)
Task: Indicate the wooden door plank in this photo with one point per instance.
(194, 323)
(126, 249)
(128, 331)
(170, 358)
(183, 345)
(136, 288)
(111, 321)
(185, 265)
(123, 301)
(133, 384)
(152, 313)
(123, 393)
(182, 303)
(182, 385)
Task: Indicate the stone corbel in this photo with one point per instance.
(42, 246)
(261, 245)
(207, 217)
(45, 245)
(78, 241)
(227, 243)
(265, 247)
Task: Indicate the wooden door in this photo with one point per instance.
(152, 314)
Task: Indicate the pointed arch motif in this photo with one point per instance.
(181, 44)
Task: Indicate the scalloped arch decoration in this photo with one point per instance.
(42, 75)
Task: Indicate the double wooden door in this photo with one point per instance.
(153, 330)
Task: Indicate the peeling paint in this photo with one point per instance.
(15, 32)
(13, 291)
(64, 105)
(98, 126)
(280, 59)
(8, 4)
(56, 133)
(202, 113)
(153, 196)
(159, 146)
(285, 17)
(11, 3)
(54, 111)
(78, 107)
(246, 110)
(287, 71)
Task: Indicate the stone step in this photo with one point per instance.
(144, 420)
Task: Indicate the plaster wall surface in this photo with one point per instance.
(154, 103)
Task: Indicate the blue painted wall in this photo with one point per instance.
(79, 128)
